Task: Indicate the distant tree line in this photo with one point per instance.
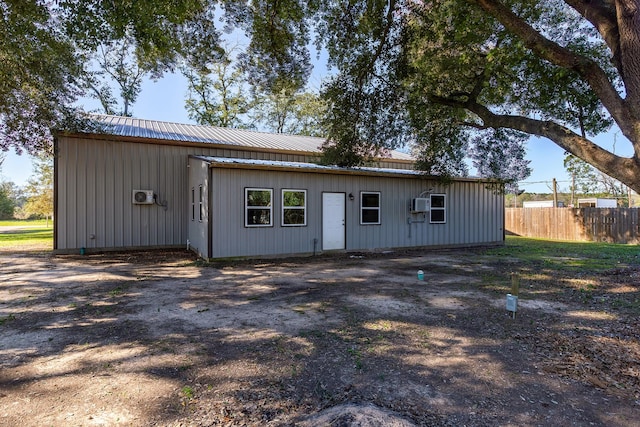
(35, 200)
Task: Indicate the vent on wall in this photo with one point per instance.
(143, 197)
(420, 204)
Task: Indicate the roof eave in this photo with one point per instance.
(331, 171)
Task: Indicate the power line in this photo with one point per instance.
(539, 182)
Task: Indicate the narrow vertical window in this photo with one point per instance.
(438, 214)
(294, 208)
(201, 202)
(369, 208)
(193, 204)
(258, 207)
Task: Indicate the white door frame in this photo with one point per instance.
(333, 221)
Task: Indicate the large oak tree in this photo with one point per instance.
(453, 77)
(440, 73)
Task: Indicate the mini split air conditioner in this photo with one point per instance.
(143, 197)
(420, 204)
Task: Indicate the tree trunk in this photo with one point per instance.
(628, 14)
(625, 111)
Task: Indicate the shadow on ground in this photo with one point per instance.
(157, 339)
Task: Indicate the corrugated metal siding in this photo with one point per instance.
(96, 177)
(95, 181)
(474, 213)
(198, 232)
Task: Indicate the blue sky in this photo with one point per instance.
(164, 100)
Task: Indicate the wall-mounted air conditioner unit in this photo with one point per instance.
(143, 197)
(420, 204)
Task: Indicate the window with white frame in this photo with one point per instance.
(294, 208)
(369, 207)
(258, 207)
(438, 214)
(193, 204)
(201, 203)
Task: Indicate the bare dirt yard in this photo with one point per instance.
(158, 338)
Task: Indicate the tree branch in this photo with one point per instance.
(565, 58)
(602, 16)
(621, 168)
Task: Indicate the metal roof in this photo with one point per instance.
(312, 167)
(154, 129)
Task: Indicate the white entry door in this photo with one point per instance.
(333, 227)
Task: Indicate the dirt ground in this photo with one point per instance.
(157, 338)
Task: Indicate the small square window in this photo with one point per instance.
(369, 208)
(258, 207)
(294, 208)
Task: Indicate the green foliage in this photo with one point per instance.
(156, 26)
(217, 94)
(367, 114)
(587, 180)
(188, 392)
(500, 154)
(7, 204)
(439, 76)
(38, 70)
(440, 146)
(44, 46)
(40, 190)
(584, 175)
(293, 198)
(258, 198)
(308, 114)
(289, 112)
(277, 56)
(116, 62)
(447, 74)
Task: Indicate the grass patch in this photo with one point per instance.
(27, 239)
(188, 392)
(6, 319)
(25, 223)
(569, 256)
(35, 236)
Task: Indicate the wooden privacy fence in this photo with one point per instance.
(613, 225)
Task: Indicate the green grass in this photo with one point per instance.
(25, 222)
(188, 392)
(583, 256)
(35, 236)
(583, 272)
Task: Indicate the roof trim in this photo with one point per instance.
(280, 166)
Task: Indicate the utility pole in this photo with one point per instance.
(555, 193)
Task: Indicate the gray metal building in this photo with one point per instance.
(234, 193)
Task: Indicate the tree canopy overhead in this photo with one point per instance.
(454, 78)
(45, 48)
(440, 73)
